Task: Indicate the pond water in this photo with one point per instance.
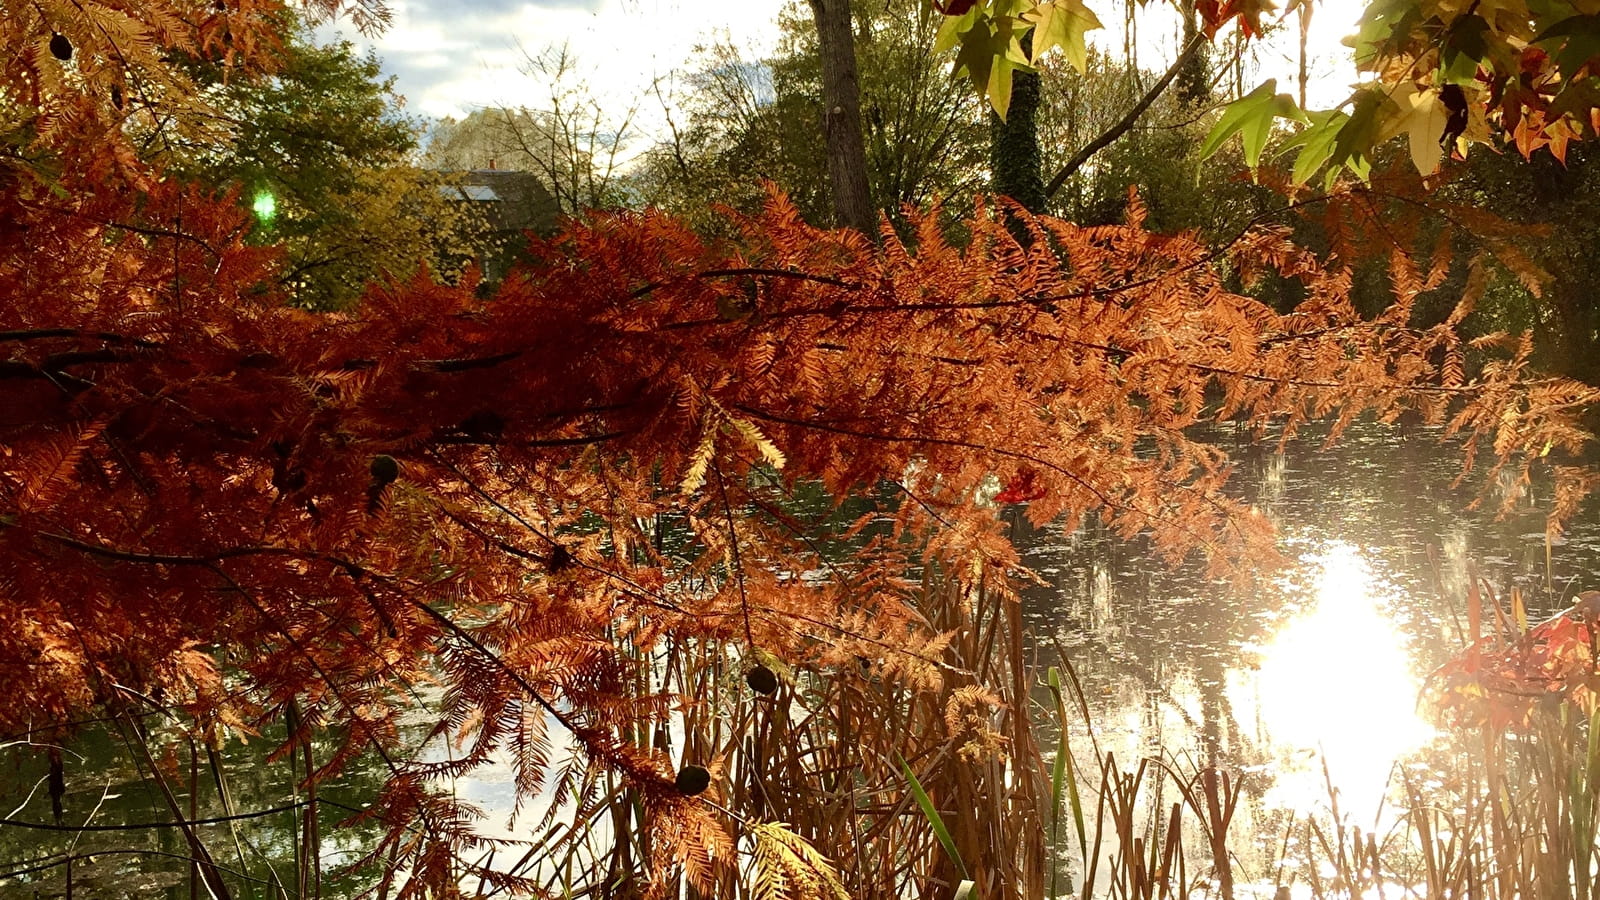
(1312, 669)
(107, 788)
(1307, 679)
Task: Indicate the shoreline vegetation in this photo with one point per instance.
(989, 780)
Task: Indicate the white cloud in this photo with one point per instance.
(451, 57)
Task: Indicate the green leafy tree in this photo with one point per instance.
(1557, 205)
(737, 121)
(733, 122)
(1158, 157)
(321, 152)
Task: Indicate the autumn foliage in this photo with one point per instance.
(215, 503)
(1512, 670)
(227, 504)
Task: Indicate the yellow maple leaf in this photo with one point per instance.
(1063, 23)
(1421, 115)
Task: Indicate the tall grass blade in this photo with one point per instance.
(935, 820)
(1063, 778)
(1582, 805)
(225, 794)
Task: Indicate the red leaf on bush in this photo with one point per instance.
(1022, 488)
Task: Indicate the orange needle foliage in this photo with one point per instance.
(208, 495)
(213, 499)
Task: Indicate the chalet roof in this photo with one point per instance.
(513, 201)
(477, 192)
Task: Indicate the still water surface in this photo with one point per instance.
(1307, 679)
(1316, 665)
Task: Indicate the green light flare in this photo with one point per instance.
(265, 206)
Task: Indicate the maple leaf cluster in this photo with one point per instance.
(1509, 73)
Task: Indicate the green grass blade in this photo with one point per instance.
(1064, 778)
(934, 819)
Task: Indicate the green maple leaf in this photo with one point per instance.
(1359, 134)
(1000, 84)
(952, 29)
(975, 56)
(1251, 116)
(1383, 22)
(989, 52)
(1316, 143)
(1465, 48)
(1063, 23)
(1574, 41)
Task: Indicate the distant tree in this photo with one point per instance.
(1194, 78)
(736, 121)
(1556, 203)
(1014, 156)
(572, 141)
(733, 122)
(841, 115)
(483, 139)
(1159, 156)
(925, 133)
(320, 150)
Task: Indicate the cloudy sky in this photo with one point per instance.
(452, 56)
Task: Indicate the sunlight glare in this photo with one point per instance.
(1336, 686)
(265, 206)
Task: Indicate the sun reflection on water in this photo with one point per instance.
(1336, 687)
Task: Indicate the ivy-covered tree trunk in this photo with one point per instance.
(1014, 160)
(841, 116)
(1194, 79)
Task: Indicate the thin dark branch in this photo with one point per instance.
(890, 351)
(148, 231)
(58, 861)
(38, 334)
(733, 550)
(145, 826)
(580, 441)
(755, 272)
(778, 273)
(463, 365)
(1286, 380)
(1118, 130)
(208, 560)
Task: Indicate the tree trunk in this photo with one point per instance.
(1014, 160)
(1194, 79)
(841, 116)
